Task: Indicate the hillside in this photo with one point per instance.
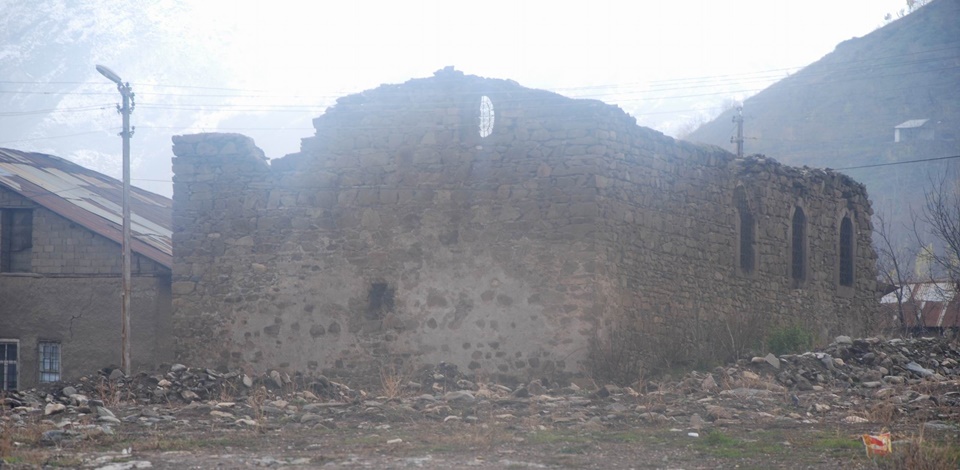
(841, 111)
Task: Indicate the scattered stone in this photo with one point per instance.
(54, 436)
(103, 412)
(855, 420)
(918, 369)
(460, 396)
(53, 408)
(708, 384)
(536, 388)
(772, 360)
(276, 379)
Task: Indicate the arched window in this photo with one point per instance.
(798, 239)
(846, 252)
(745, 230)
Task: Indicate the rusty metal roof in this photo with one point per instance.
(92, 200)
(927, 304)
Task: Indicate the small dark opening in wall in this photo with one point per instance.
(381, 300)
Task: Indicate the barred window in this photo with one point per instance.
(846, 252)
(798, 255)
(49, 361)
(746, 231)
(9, 350)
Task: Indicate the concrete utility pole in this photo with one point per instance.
(739, 138)
(125, 110)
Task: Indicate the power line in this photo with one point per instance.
(56, 136)
(686, 83)
(896, 163)
(96, 107)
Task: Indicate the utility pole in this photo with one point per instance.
(125, 110)
(739, 138)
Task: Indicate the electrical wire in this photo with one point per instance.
(922, 160)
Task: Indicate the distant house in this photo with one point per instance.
(60, 267)
(913, 130)
(926, 305)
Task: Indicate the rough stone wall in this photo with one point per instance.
(399, 233)
(72, 295)
(670, 248)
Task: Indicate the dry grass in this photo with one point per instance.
(918, 453)
(228, 392)
(884, 412)
(108, 392)
(19, 444)
(392, 381)
(256, 401)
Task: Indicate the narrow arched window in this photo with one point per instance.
(746, 232)
(798, 238)
(846, 252)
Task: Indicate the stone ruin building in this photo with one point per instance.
(508, 231)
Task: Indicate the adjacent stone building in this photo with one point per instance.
(505, 230)
(60, 266)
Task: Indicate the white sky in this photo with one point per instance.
(621, 52)
(668, 63)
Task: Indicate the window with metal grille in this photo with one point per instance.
(49, 361)
(747, 253)
(487, 116)
(16, 240)
(798, 258)
(846, 252)
(8, 364)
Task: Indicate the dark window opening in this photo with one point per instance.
(381, 301)
(747, 253)
(846, 252)
(16, 240)
(8, 365)
(798, 241)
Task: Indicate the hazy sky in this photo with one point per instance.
(265, 69)
(635, 54)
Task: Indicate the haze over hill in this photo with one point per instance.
(842, 110)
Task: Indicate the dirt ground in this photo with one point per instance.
(802, 412)
(508, 433)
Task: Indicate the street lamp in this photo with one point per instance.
(125, 110)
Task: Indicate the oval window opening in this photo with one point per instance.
(486, 116)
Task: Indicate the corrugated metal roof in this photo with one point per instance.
(927, 304)
(92, 200)
(911, 124)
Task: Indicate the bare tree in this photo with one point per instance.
(893, 265)
(941, 216)
(912, 6)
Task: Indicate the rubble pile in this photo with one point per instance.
(868, 363)
(856, 382)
